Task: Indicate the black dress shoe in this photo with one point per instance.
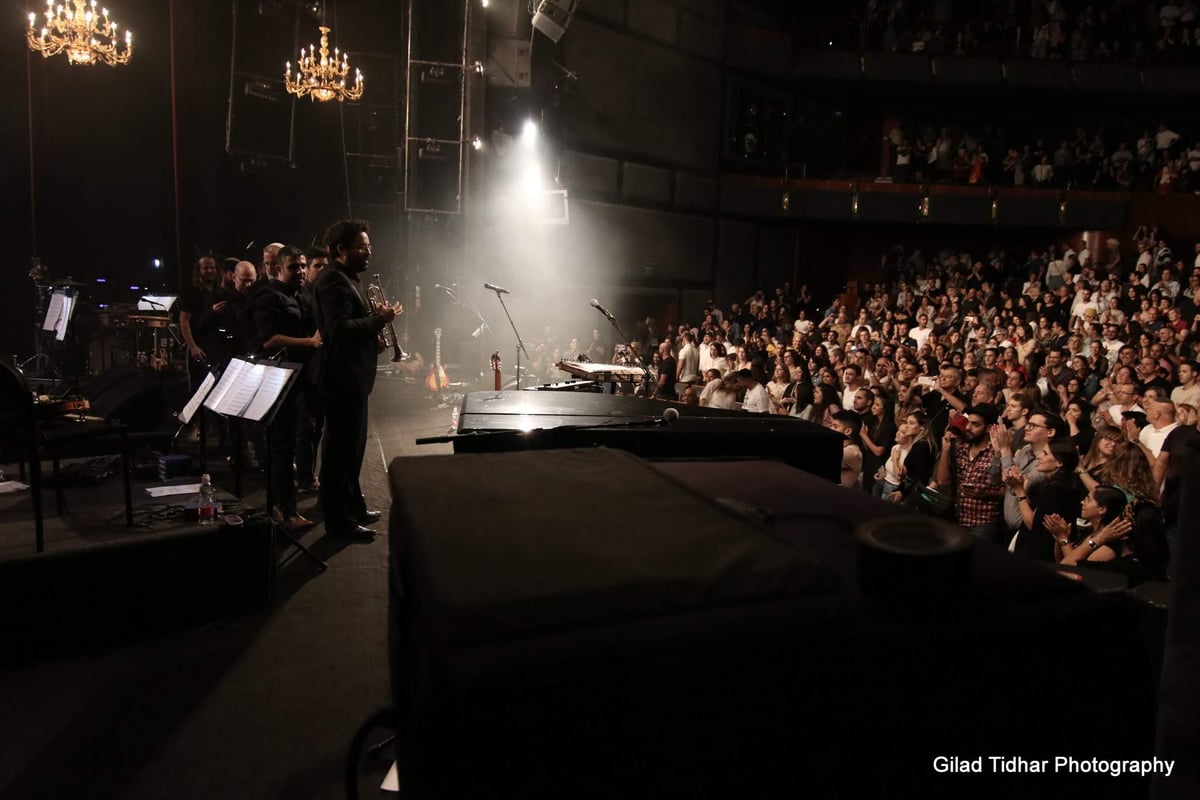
(357, 532)
(372, 516)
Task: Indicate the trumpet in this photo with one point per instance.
(387, 336)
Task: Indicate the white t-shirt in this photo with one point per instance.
(1164, 139)
(1114, 413)
(689, 363)
(1190, 396)
(899, 453)
(757, 400)
(1154, 439)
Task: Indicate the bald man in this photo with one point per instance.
(236, 317)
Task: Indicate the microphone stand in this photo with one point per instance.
(645, 370)
(482, 328)
(520, 343)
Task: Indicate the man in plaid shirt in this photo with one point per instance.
(970, 464)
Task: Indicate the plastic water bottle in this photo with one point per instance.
(206, 511)
(454, 420)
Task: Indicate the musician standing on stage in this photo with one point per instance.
(346, 374)
(278, 327)
(310, 421)
(199, 313)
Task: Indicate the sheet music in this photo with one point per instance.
(268, 392)
(162, 303)
(242, 392)
(54, 312)
(64, 318)
(189, 410)
(248, 390)
(230, 376)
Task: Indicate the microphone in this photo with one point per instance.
(670, 415)
(495, 288)
(596, 305)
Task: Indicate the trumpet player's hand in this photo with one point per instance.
(389, 313)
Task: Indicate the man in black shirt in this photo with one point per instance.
(200, 309)
(310, 420)
(279, 326)
(666, 372)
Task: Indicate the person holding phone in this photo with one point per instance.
(970, 463)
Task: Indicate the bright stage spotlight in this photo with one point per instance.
(529, 134)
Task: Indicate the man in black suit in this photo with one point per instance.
(345, 375)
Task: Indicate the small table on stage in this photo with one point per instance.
(608, 374)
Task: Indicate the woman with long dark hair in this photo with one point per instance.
(1079, 422)
(1122, 533)
(824, 405)
(878, 434)
(1056, 494)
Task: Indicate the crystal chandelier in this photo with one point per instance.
(86, 35)
(321, 77)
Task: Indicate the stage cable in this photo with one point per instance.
(32, 160)
(179, 272)
(342, 124)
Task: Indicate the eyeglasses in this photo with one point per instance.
(1035, 425)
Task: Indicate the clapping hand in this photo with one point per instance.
(1118, 529)
(1015, 479)
(1059, 528)
(1001, 438)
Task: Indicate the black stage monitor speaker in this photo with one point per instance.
(123, 394)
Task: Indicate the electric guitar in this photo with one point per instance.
(436, 381)
(496, 370)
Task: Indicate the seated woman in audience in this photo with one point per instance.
(802, 400)
(1122, 534)
(777, 387)
(825, 404)
(1057, 493)
(796, 367)
(829, 377)
(1128, 468)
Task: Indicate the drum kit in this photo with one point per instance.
(87, 335)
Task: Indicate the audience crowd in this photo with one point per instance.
(1045, 402)
(1149, 159)
(1129, 31)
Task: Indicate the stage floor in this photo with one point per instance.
(259, 706)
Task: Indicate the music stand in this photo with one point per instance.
(254, 391)
(58, 313)
(189, 412)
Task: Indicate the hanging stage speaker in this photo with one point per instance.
(553, 17)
